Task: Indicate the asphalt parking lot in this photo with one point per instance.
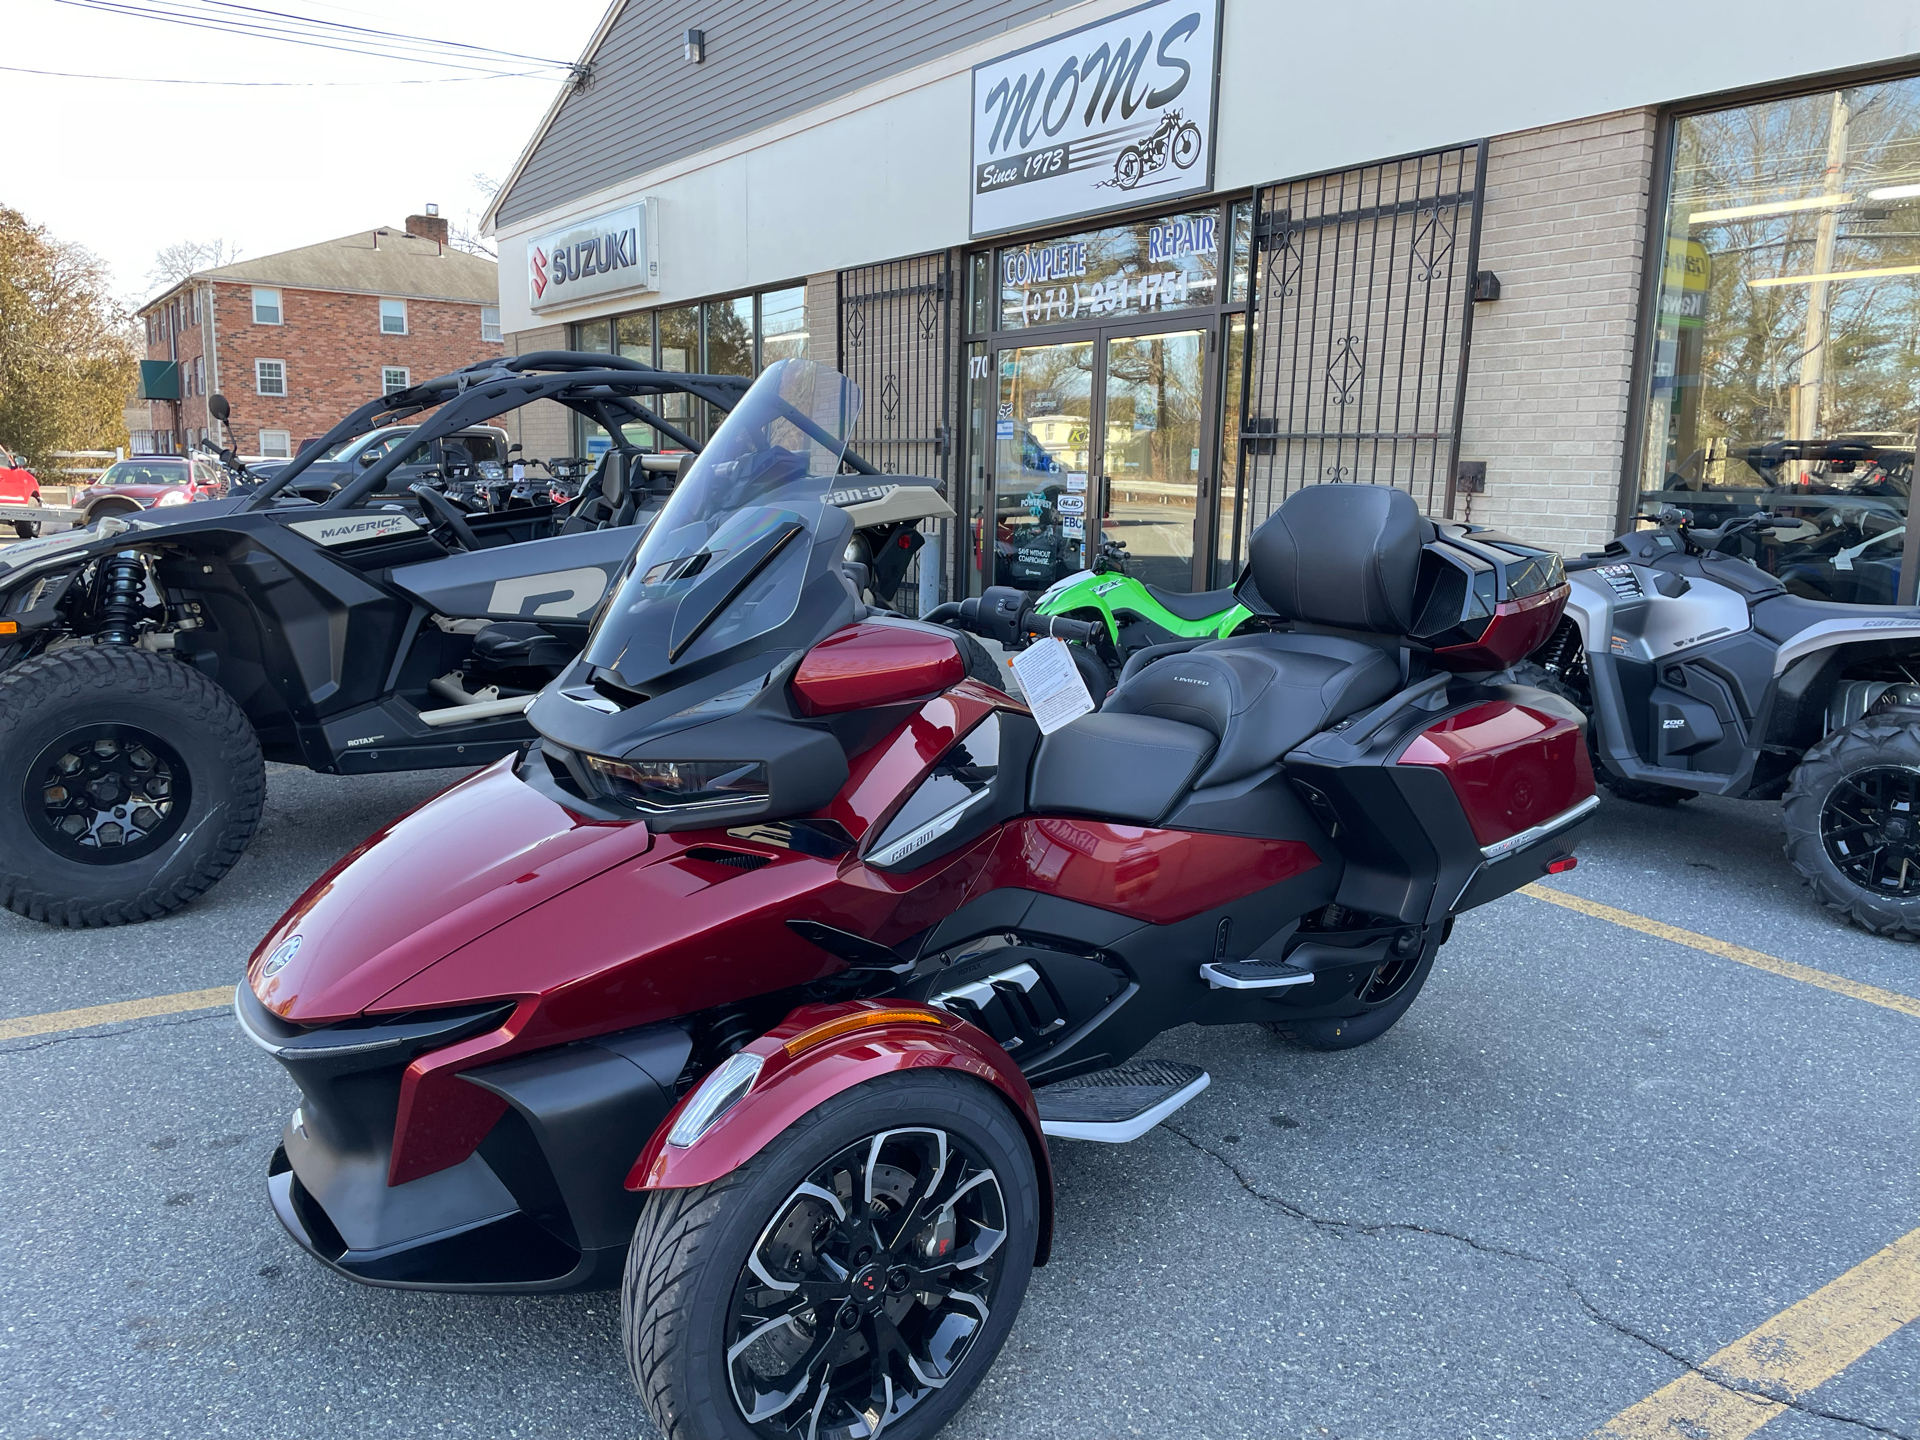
(1594, 1184)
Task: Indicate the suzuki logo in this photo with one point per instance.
(537, 262)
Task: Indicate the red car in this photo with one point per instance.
(18, 487)
(149, 480)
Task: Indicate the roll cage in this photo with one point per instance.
(608, 389)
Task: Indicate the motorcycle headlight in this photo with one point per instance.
(676, 784)
(173, 497)
(717, 1094)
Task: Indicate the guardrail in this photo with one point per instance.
(110, 456)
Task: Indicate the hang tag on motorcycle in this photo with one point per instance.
(1051, 683)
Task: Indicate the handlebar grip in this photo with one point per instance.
(1075, 632)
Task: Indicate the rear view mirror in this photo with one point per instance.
(218, 408)
(513, 449)
(367, 457)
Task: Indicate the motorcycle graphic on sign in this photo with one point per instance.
(1175, 141)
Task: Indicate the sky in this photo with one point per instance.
(127, 168)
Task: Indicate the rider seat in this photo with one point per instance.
(1343, 558)
(1197, 605)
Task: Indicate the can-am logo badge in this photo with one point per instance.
(281, 957)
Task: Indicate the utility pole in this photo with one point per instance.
(1813, 355)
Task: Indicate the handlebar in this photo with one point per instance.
(1006, 615)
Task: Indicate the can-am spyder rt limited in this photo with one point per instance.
(765, 976)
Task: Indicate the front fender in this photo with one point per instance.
(788, 1086)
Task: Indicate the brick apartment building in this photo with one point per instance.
(296, 340)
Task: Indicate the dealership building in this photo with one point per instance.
(1135, 273)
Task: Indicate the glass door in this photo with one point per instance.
(1099, 436)
(1042, 457)
(1154, 387)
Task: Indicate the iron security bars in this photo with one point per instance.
(1357, 356)
(896, 344)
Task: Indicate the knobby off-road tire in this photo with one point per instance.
(1872, 744)
(1371, 1019)
(690, 1248)
(1641, 792)
(59, 700)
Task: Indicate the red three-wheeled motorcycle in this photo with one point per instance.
(760, 984)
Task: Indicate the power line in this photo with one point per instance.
(320, 34)
(269, 84)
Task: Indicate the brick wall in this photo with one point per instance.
(173, 333)
(334, 352)
(544, 429)
(823, 318)
(1547, 385)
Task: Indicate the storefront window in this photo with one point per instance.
(594, 336)
(634, 333)
(783, 325)
(1240, 224)
(1786, 334)
(979, 292)
(1233, 369)
(729, 345)
(679, 350)
(1146, 268)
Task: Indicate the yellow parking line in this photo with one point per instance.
(1872, 994)
(1791, 1355)
(53, 1020)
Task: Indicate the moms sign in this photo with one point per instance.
(1115, 114)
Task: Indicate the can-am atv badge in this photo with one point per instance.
(281, 957)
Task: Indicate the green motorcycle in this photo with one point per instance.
(1130, 615)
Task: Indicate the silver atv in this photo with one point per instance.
(1702, 675)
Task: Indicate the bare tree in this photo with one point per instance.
(464, 234)
(175, 263)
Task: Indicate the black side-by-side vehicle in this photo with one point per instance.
(150, 665)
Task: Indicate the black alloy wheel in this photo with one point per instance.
(1870, 826)
(866, 1289)
(106, 794)
(856, 1277)
(1382, 996)
(1852, 813)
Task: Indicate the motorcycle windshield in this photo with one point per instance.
(726, 561)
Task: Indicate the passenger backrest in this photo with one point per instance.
(1346, 556)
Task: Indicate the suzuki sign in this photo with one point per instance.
(1115, 114)
(608, 254)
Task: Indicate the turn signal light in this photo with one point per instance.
(9, 627)
(861, 1020)
(1562, 865)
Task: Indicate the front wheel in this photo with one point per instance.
(129, 784)
(27, 529)
(858, 1275)
(1852, 815)
(1385, 994)
(1186, 145)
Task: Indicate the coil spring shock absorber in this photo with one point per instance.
(122, 579)
(1562, 647)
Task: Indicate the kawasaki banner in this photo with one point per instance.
(1108, 116)
(607, 254)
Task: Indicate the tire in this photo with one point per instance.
(1370, 1019)
(27, 529)
(1828, 793)
(1128, 169)
(980, 665)
(1186, 146)
(686, 1277)
(108, 508)
(1641, 792)
(1094, 671)
(54, 710)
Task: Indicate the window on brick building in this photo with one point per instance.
(266, 306)
(270, 377)
(392, 378)
(199, 374)
(393, 317)
(276, 444)
(490, 323)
